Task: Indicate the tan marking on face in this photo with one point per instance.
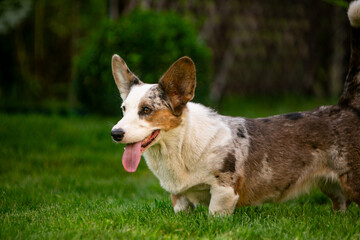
(163, 119)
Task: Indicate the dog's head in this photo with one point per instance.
(149, 109)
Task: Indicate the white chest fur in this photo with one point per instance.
(182, 158)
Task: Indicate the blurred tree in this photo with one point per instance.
(259, 47)
(149, 42)
(269, 47)
(338, 57)
(113, 9)
(38, 47)
(12, 13)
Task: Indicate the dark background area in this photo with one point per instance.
(55, 55)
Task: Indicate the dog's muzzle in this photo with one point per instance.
(117, 134)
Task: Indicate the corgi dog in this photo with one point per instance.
(224, 162)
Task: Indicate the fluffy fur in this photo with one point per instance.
(354, 13)
(223, 162)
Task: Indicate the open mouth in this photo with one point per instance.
(145, 144)
(133, 151)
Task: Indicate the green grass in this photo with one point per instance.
(62, 178)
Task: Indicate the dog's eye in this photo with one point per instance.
(123, 108)
(146, 110)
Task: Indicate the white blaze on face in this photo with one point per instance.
(135, 128)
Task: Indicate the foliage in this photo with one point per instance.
(38, 39)
(339, 3)
(259, 47)
(62, 178)
(148, 42)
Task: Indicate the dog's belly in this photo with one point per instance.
(283, 189)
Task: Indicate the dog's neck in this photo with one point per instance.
(181, 151)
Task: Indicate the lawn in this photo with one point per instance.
(62, 178)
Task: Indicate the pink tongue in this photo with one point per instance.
(131, 156)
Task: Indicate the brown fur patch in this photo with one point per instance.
(238, 184)
(229, 163)
(179, 83)
(163, 119)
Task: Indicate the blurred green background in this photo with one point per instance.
(55, 55)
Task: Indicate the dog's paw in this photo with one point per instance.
(181, 203)
(223, 200)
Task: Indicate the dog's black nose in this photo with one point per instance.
(117, 134)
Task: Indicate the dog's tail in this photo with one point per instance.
(351, 95)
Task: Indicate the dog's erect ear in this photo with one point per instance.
(179, 83)
(124, 78)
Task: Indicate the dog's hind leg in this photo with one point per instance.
(335, 192)
(351, 185)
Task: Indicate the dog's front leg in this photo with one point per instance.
(181, 203)
(223, 200)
